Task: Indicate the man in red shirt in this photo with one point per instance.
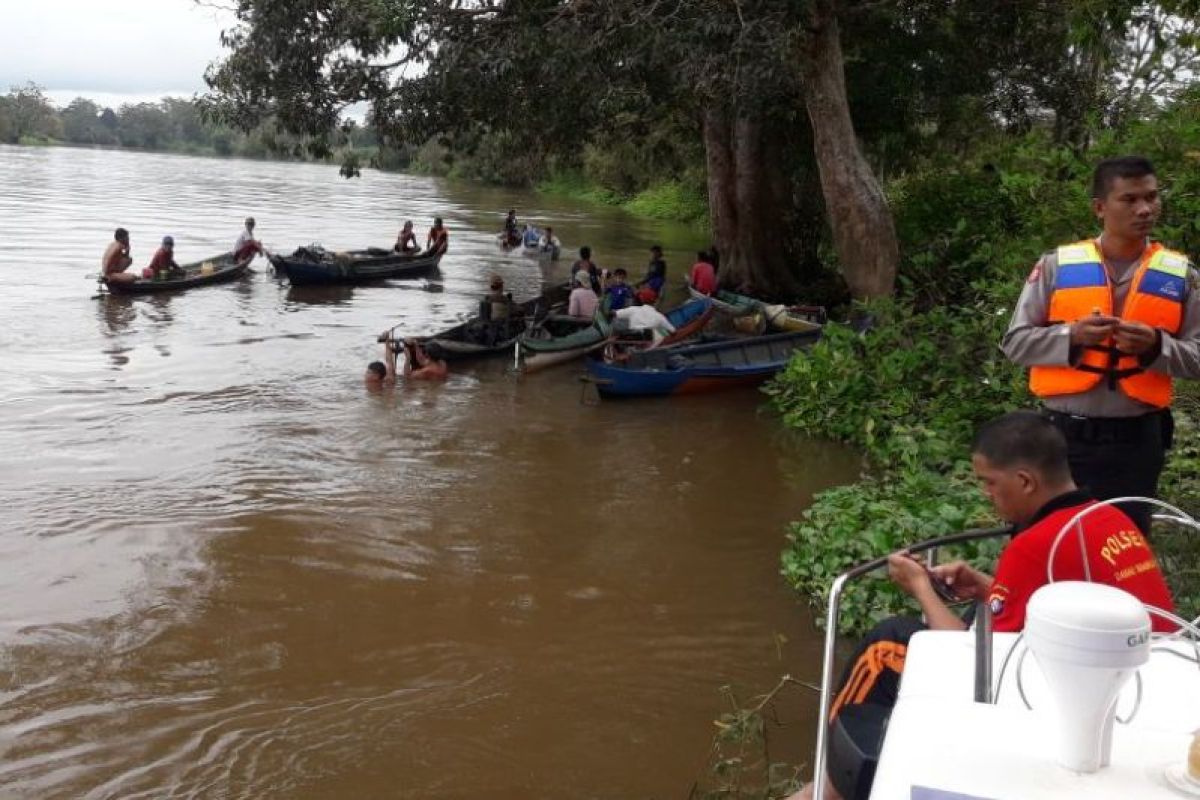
(704, 276)
(1021, 462)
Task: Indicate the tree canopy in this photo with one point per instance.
(795, 109)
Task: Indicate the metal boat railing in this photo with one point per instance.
(983, 628)
(930, 548)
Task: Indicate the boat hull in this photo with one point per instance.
(694, 369)
(480, 338)
(225, 270)
(362, 266)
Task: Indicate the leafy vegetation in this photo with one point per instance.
(911, 392)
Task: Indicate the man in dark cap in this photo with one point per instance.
(163, 263)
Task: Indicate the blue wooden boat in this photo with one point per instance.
(689, 369)
(310, 266)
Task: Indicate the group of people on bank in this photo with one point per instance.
(117, 258)
(1104, 326)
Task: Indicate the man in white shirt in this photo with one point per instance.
(247, 246)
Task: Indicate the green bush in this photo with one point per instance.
(910, 393)
(849, 525)
(912, 390)
(671, 200)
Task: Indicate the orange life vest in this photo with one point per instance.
(1156, 298)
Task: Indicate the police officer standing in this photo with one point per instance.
(1104, 325)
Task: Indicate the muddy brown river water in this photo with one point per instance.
(229, 571)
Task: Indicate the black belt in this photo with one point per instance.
(1112, 429)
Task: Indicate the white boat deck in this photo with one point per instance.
(941, 745)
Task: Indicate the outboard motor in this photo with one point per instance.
(1088, 639)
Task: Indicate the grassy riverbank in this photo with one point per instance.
(666, 199)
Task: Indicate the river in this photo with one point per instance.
(230, 571)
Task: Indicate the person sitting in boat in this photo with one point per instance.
(419, 366)
(704, 276)
(163, 265)
(498, 304)
(549, 242)
(406, 241)
(585, 263)
(512, 236)
(643, 318)
(246, 245)
(650, 287)
(116, 259)
(583, 301)
(531, 236)
(618, 293)
(1021, 462)
(438, 240)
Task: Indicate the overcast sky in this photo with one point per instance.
(111, 51)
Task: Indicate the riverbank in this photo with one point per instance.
(911, 392)
(668, 200)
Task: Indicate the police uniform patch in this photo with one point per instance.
(996, 599)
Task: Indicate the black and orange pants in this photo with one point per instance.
(873, 674)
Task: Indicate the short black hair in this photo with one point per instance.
(378, 368)
(121, 234)
(1108, 170)
(585, 252)
(620, 271)
(702, 255)
(1024, 439)
(656, 247)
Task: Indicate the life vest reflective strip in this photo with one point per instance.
(1081, 287)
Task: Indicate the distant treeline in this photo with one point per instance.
(661, 176)
(173, 124)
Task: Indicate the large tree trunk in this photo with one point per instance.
(864, 233)
(743, 208)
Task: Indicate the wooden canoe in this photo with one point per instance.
(479, 337)
(735, 305)
(310, 266)
(558, 339)
(224, 269)
(699, 367)
(688, 319)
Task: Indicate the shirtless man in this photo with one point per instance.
(417, 364)
(382, 374)
(438, 239)
(406, 242)
(116, 259)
